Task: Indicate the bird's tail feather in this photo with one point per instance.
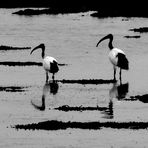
(122, 61)
(54, 67)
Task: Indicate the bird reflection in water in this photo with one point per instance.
(108, 111)
(119, 91)
(50, 87)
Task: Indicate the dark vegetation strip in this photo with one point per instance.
(80, 108)
(51, 11)
(88, 81)
(135, 36)
(59, 125)
(12, 63)
(12, 88)
(118, 10)
(104, 8)
(2, 47)
(142, 98)
(32, 12)
(140, 30)
(101, 13)
(62, 64)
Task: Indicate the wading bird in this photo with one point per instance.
(116, 56)
(50, 64)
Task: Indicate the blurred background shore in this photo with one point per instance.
(104, 8)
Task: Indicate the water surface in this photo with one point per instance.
(26, 99)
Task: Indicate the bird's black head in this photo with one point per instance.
(42, 45)
(109, 36)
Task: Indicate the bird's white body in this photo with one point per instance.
(113, 56)
(47, 61)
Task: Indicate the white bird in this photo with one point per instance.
(116, 56)
(50, 64)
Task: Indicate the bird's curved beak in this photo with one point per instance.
(99, 43)
(104, 38)
(39, 46)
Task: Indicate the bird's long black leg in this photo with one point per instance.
(53, 77)
(47, 77)
(120, 76)
(114, 73)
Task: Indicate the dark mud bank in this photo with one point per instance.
(67, 108)
(87, 81)
(59, 125)
(3, 48)
(13, 88)
(134, 36)
(51, 11)
(142, 98)
(140, 30)
(28, 63)
(100, 13)
(12, 63)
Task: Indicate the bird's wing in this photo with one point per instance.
(122, 61)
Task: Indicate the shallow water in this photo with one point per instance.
(26, 99)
